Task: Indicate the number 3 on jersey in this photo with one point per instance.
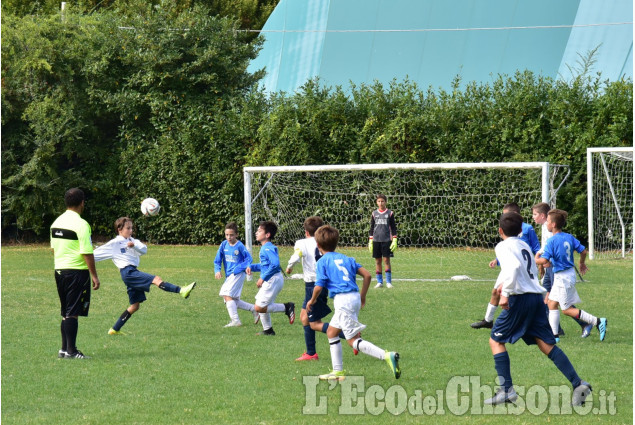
(338, 264)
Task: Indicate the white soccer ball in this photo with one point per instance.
(150, 206)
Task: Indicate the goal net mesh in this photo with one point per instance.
(447, 219)
(612, 204)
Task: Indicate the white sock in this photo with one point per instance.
(265, 319)
(588, 318)
(370, 349)
(336, 353)
(489, 313)
(554, 320)
(232, 310)
(276, 308)
(244, 305)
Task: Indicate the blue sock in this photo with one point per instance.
(562, 362)
(167, 286)
(325, 327)
(309, 340)
(380, 279)
(388, 276)
(122, 320)
(501, 364)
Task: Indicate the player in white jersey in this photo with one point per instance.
(125, 251)
(523, 314)
(235, 259)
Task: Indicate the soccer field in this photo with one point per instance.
(177, 364)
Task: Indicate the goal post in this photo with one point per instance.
(610, 202)
(443, 211)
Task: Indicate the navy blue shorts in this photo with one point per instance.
(73, 288)
(137, 283)
(525, 319)
(321, 308)
(382, 249)
(547, 281)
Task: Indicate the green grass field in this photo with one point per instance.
(179, 365)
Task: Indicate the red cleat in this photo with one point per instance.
(306, 356)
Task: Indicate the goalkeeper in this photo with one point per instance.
(382, 241)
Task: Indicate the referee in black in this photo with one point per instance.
(74, 268)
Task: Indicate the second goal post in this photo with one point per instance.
(447, 214)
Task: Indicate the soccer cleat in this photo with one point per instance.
(268, 332)
(392, 359)
(388, 285)
(76, 355)
(111, 331)
(602, 328)
(289, 310)
(233, 324)
(586, 331)
(502, 396)
(185, 292)
(557, 339)
(560, 331)
(334, 375)
(61, 354)
(256, 317)
(306, 356)
(580, 393)
(355, 350)
(379, 285)
(482, 324)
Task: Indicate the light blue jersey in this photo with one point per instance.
(528, 234)
(235, 258)
(336, 272)
(269, 261)
(559, 251)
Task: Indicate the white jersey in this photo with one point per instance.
(545, 234)
(519, 274)
(117, 249)
(307, 251)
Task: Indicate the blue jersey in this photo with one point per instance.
(528, 234)
(559, 251)
(336, 272)
(269, 261)
(234, 258)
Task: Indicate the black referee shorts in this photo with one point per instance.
(73, 288)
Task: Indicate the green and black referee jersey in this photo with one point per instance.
(70, 238)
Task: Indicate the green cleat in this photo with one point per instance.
(114, 332)
(334, 375)
(392, 359)
(185, 292)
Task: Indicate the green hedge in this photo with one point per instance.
(160, 104)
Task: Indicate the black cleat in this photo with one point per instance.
(76, 355)
(482, 324)
(289, 310)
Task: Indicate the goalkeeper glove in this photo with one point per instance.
(370, 245)
(393, 245)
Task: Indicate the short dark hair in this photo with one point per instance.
(327, 238)
(511, 223)
(73, 197)
(232, 226)
(558, 217)
(512, 207)
(269, 227)
(311, 224)
(541, 208)
(381, 196)
(120, 223)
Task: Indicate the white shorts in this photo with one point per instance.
(233, 285)
(347, 308)
(270, 290)
(563, 290)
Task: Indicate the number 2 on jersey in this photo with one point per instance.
(527, 257)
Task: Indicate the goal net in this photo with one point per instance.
(610, 202)
(447, 214)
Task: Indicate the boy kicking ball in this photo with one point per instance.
(523, 314)
(336, 273)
